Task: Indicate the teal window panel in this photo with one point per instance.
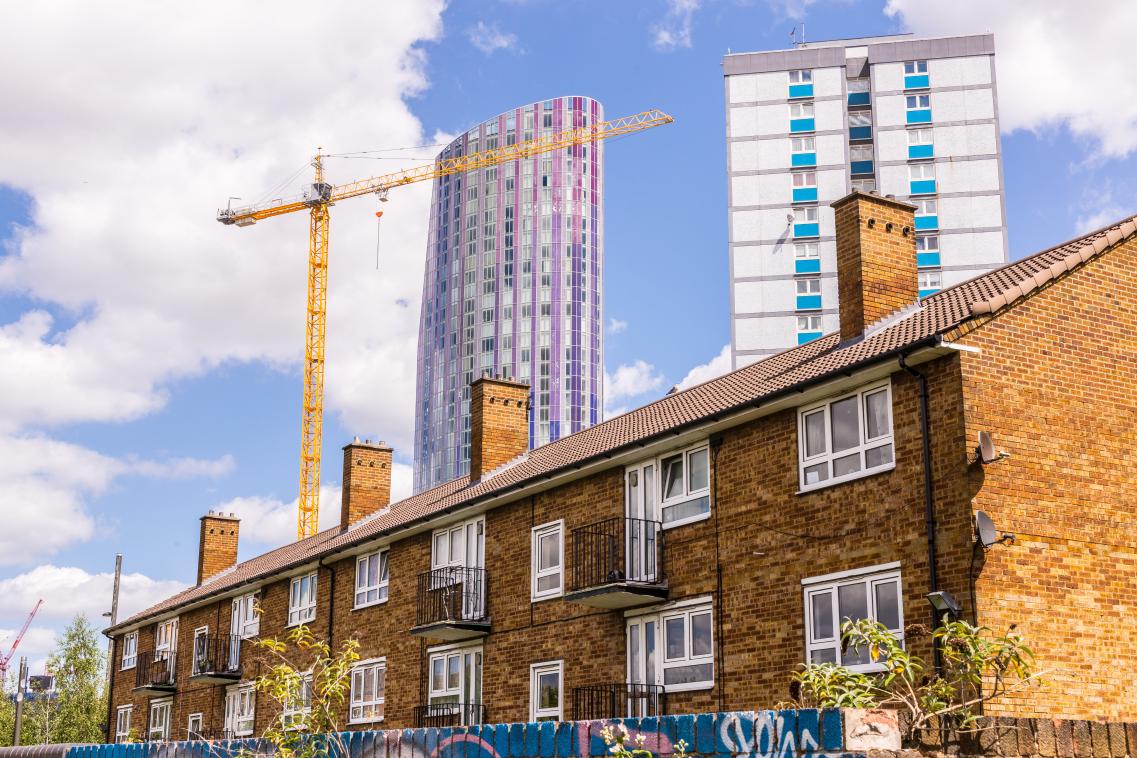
(916, 152)
(860, 132)
(922, 116)
(923, 187)
(928, 260)
(807, 266)
(808, 302)
(804, 337)
(801, 125)
(801, 90)
(927, 223)
(916, 81)
(805, 194)
(861, 167)
(803, 159)
(925, 293)
(806, 230)
(858, 98)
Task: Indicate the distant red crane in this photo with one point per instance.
(12, 651)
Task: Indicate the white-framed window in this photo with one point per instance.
(302, 599)
(918, 171)
(368, 682)
(159, 725)
(547, 551)
(858, 85)
(926, 207)
(801, 110)
(802, 145)
(200, 650)
(846, 437)
(194, 726)
(165, 639)
(371, 577)
(809, 323)
(673, 647)
(122, 723)
(298, 704)
(803, 179)
(808, 285)
(865, 185)
(455, 685)
(873, 593)
(245, 622)
(917, 102)
(807, 215)
(546, 691)
(915, 67)
(860, 153)
(801, 76)
(927, 243)
(805, 250)
(684, 479)
(860, 118)
(919, 137)
(931, 280)
(240, 710)
(129, 650)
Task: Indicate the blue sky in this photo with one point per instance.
(153, 358)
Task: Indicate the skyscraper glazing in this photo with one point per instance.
(513, 285)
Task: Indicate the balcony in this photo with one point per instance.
(452, 604)
(618, 563)
(618, 701)
(155, 673)
(216, 658)
(445, 715)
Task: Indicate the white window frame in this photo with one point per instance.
(465, 687)
(376, 668)
(921, 171)
(362, 585)
(801, 110)
(800, 145)
(860, 153)
(240, 708)
(806, 251)
(871, 576)
(921, 136)
(806, 215)
(800, 76)
(165, 639)
(810, 323)
(917, 67)
(537, 533)
(921, 102)
(201, 631)
(129, 645)
(289, 710)
(536, 670)
(866, 184)
(931, 279)
(924, 243)
(245, 621)
(122, 725)
(299, 610)
(927, 206)
(827, 456)
(804, 179)
(190, 731)
(161, 706)
(860, 118)
(689, 493)
(683, 609)
(807, 285)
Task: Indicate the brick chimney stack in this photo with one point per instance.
(876, 259)
(366, 480)
(217, 549)
(499, 423)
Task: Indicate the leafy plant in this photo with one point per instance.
(976, 667)
(617, 739)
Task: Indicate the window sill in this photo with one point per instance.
(300, 622)
(128, 668)
(847, 478)
(542, 598)
(357, 722)
(684, 521)
(372, 604)
(692, 687)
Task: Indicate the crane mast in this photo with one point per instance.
(5, 659)
(318, 197)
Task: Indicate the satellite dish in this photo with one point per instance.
(789, 218)
(986, 450)
(985, 529)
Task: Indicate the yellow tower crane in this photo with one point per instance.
(318, 197)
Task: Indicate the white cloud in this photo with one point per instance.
(715, 367)
(1059, 63)
(790, 9)
(123, 244)
(616, 326)
(674, 30)
(182, 468)
(631, 380)
(488, 38)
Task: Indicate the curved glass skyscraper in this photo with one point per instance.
(513, 285)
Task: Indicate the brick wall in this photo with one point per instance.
(217, 544)
(499, 423)
(366, 480)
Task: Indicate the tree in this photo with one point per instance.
(77, 663)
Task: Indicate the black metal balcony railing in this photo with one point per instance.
(449, 714)
(617, 550)
(453, 594)
(156, 670)
(617, 701)
(218, 654)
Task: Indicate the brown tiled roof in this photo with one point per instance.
(785, 371)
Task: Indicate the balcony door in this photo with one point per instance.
(643, 524)
(165, 646)
(456, 685)
(458, 558)
(644, 675)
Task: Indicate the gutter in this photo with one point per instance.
(932, 341)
